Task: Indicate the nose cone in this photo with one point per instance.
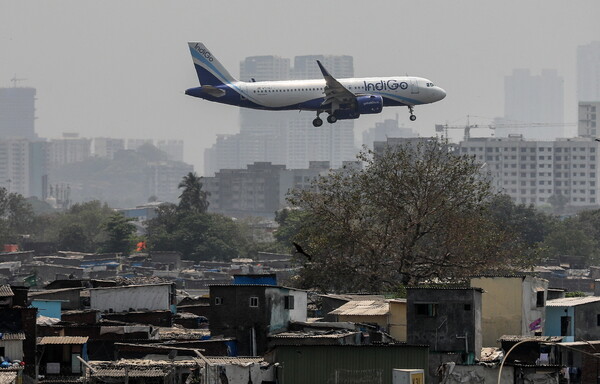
(440, 93)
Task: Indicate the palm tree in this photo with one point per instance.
(193, 198)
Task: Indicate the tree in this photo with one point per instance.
(16, 216)
(193, 198)
(415, 212)
(120, 234)
(198, 236)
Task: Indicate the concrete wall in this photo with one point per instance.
(299, 313)
(586, 321)
(13, 349)
(397, 325)
(500, 307)
(531, 311)
(462, 374)
(122, 299)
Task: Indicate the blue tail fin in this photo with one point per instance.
(208, 68)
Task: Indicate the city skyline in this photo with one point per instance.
(120, 70)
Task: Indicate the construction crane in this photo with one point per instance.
(467, 128)
(14, 80)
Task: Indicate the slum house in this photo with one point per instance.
(345, 363)
(534, 358)
(18, 327)
(171, 261)
(512, 304)
(58, 357)
(127, 298)
(574, 318)
(447, 319)
(249, 313)
(374, 312)
(71, 298)
(331, 302)
(580, 361)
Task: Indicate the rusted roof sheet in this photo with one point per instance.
(12, 336)
(363, 308)
(572, 301)
(131, 372)
(8, 377)
(57, 340)
(539, 339)
(5, 291)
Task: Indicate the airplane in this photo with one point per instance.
(341, 99)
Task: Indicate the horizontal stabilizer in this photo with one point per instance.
(213, 91)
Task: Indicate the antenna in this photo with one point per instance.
(15, 80)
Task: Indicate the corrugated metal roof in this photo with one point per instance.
(307, 335)
(363, 308)
(572, 301)
(5, 291)
(13, 336)
(8, 377)
(225, 360)
(132, 372)
(49, 340)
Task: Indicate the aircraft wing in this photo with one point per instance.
(334, 91)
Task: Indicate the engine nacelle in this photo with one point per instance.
(369, 104)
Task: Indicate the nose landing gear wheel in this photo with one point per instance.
(331, 119)
(318, 122)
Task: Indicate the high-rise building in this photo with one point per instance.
(588, 72)
(106, 147)
(14, 166)
(163, 178)
(535, 172)
(173, 149)
(535, 99)
(136, 143)
(17, 113)
(384, 130)
(264, 68)
(69, 149)
(587, 125)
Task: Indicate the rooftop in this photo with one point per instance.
(363, 308)
(572, 301)
(62, 340)
(5, 291)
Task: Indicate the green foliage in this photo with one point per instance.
(16, 217)
(80, 228)
(120, 234)
(197, 235)
(575, 294)
(192, 198)
(415, 212)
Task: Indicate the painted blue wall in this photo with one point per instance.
(553, 315)
(48, 308)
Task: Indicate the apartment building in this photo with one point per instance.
(531, 172)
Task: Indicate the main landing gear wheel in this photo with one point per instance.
(318, 122)
(412, 113)
(331, 119)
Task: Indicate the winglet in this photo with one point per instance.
(323, 70)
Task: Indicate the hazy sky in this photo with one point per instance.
(119, 68)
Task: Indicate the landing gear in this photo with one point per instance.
(412, 113)
(331, 119)
(317, 122)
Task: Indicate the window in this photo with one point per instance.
(540, 299)
(429, 309)
(288, 302)
(218, 300)
(467, 307)
(254, 301)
